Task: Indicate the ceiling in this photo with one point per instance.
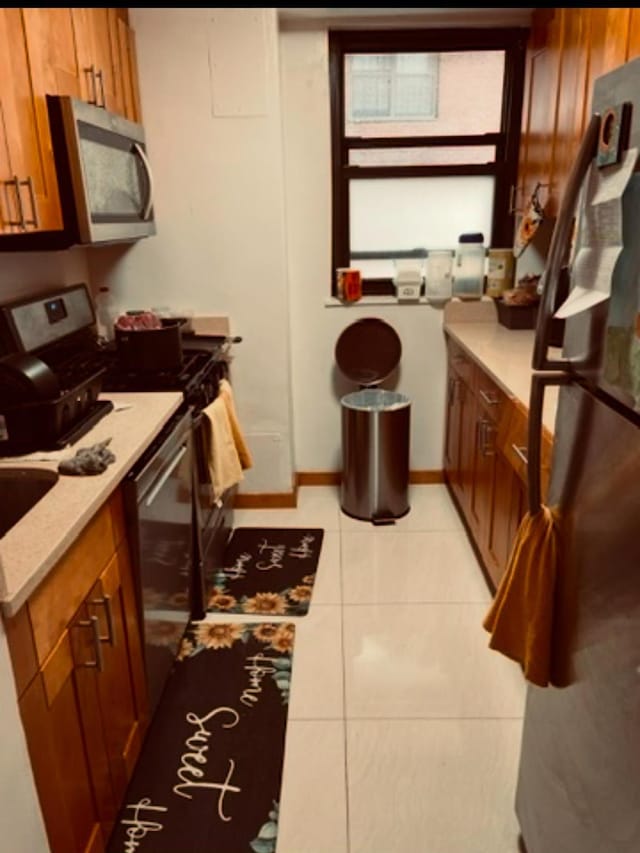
(375, 18)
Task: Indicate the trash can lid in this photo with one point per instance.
(368, 350)
(375, 400)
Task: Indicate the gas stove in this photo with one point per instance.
(197, 377)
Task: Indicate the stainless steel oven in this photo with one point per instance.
(158, 494)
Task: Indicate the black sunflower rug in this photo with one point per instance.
(267, 571)
(209, 774)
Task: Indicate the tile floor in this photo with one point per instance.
(404, 728)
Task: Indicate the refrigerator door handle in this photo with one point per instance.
(539, 382)
(558, 250)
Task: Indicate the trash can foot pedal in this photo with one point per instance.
(382, 519)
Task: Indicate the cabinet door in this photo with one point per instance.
(543, 57)
(452, 431)
(61, 717)
(128, 70)
(507, 508)
(482, 484)
(29, 188)
(94, 30)
(123, 711)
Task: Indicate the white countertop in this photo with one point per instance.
(505, 354)
(33, 546)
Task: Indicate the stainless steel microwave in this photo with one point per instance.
(104, 179)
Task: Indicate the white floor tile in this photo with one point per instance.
(432, 786)
(318, 506)
(380, 567)
(313, 810)
(431, 509)
(426, 660)
(327, 586)
(316, 682)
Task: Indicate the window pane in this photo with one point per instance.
(449, 155)
(392, 214)
(424, 94)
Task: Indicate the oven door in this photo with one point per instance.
(158, 495)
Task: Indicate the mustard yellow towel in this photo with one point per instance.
(241, 446)
(223, 461)
(520, 619)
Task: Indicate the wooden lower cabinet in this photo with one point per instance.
(84, 709)
(484, 459)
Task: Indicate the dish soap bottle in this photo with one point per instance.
(105, 314)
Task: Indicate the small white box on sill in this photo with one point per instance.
(408, 292)
(408, 280)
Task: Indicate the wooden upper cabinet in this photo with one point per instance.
(633, 46)
(83, 53)
(572, 97)
(128, 70)
(543, 58)
(36, 51)
(94, 33)
(607, 44)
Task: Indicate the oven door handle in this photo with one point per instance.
(164, 476)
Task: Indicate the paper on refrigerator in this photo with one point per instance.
(600, 238)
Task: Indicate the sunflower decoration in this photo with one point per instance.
(265, 632)
(266, 602)
(282, 640)
(220, 600)
(300, 594)
(220, 636)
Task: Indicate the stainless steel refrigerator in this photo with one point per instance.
(579, 776)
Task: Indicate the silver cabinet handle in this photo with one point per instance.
(162, 479)
(521, 453)
(105, 602)
(91, 71)
(490, 399)
(146, 213)
(103, 101)
(34, 205)
(92, 622)
(15, 182)
(453, 385)
(486, 449)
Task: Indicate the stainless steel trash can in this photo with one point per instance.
(375, 454)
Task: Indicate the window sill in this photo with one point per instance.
(333, 302)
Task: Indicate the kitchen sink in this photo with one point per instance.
(20, 490)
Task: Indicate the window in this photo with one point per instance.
(425, 136)
(392, 86)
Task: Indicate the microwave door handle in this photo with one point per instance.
(558, 249)
(146, 213)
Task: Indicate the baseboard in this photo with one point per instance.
(334, 478)
(426, 477)
(289, 500)
(273, 500)
(319, 478)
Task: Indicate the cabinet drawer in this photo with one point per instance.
(461, 363)
(513, 443)
(492, 400)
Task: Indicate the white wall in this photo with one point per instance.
(315, 328)
(209, 81)
(25, 273)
